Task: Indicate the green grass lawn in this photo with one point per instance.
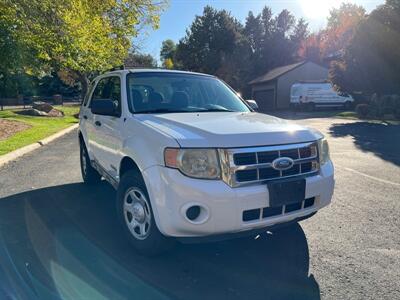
(348, 114)
(41, 127)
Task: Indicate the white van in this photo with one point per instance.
(318, 94)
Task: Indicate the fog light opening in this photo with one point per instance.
(193, 212)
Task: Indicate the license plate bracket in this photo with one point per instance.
(287, 191)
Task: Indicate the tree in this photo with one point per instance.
(215, 44)
(340, 29)
(284, 22)
(267, 22)
(209, 41)
(371, 61)
(218, 44)
(310, 48)
(17, 61)
(253, 30)
(274, 41)
(254, 34)
(168, 63)
(52, 84)
(167, 53)
(139, 60)
(281, 49)
(300, 32)
(79, 36)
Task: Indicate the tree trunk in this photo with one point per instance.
(83, 79)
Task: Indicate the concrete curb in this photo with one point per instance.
(6, 158)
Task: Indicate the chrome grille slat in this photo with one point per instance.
(269, 165)
(303, 165)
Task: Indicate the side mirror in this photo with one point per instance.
(252, 104)
(105, 107)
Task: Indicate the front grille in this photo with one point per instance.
(252, 165)
(268, 212)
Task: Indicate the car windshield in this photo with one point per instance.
(164, 92)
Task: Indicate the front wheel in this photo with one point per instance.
(136, 216)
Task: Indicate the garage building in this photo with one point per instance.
(272, 90)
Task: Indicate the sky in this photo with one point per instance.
(180, 14)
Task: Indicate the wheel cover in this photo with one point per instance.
(137, 213)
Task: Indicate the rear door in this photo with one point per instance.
(107, 140)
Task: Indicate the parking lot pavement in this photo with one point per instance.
(59, 239)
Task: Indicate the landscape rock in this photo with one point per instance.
(55, 113)
(34, 112)
(42, 106)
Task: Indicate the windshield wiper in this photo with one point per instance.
(216, 110)
(167, 110)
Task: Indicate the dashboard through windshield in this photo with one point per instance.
(163, 92)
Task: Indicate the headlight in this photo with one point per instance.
(197, 163)
(323, 149)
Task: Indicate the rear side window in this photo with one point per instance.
(108, 88)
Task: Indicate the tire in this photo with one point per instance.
(136, 216)
(89, 174)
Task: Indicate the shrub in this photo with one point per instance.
(377, 105)
(363, 110)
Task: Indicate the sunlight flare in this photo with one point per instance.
(318, 9)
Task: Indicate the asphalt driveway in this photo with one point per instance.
(59, 239)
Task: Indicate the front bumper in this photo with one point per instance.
(171, 193)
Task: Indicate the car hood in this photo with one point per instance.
(228, 129)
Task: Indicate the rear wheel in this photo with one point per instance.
(136, 216)
(89, 174)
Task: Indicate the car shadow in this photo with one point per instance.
(64, 242)
(381, 139)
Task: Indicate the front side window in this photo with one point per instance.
(154, 92)
(108, 88)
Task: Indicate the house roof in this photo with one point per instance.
(277, 72)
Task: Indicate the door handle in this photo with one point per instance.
(85, 117)
(97, 123)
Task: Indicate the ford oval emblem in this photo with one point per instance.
(282, 163)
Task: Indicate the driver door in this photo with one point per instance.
(107, 138)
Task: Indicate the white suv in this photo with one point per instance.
(190, 159)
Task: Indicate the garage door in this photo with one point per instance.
(265, 100)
